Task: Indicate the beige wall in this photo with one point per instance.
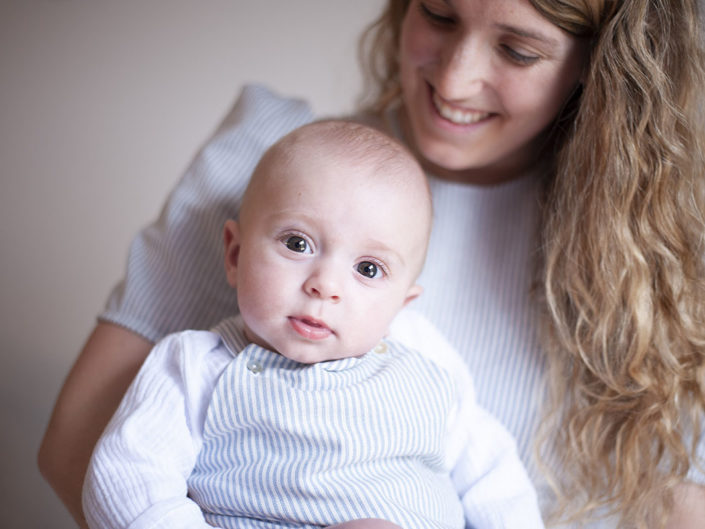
(102, 105)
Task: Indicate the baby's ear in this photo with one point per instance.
(413, 293)
(231, 240)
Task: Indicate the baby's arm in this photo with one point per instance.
(138, 471)
(491, 480)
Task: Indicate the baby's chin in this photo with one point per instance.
(315, 357)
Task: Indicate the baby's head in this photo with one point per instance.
(331, 237)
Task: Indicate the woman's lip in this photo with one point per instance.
(310, 328)
(454, 114)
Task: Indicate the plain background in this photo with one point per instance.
(103, 103)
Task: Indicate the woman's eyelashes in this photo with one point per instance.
(447, 20)
(437, 18)
(522, 59)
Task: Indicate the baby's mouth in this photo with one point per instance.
(310, 328)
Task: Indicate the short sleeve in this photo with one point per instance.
(174, 278)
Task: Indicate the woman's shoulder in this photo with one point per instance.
(265, 112)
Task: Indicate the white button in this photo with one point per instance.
(255, 367)
(380, 348)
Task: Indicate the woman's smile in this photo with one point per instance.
(456, 115)
(482, 82)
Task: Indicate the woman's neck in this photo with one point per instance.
(481, 176)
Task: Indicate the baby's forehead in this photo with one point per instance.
(343, 172)
(345, 159)
(345, 139)
(371, 154)
(382, 199)
(347, 173)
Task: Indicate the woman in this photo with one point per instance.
(564, 146)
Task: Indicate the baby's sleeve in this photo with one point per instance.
(491, 480)
(137, 476)
(492, 483)
(174, 278)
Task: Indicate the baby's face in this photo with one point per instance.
(324, 257)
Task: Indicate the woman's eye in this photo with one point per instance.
(435, 17)
(368, 269)
(519, 58)
(296, 244)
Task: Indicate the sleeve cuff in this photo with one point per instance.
(171, 514)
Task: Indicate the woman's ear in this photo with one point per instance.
(231, 240)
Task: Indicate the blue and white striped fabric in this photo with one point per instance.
(477, 279)
(291, 445)
(216, 431)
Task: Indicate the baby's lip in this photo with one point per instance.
(310, 327)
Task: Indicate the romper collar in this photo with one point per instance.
(232, 332)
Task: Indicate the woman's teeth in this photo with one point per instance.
(457, 116)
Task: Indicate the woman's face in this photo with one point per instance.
(481, 81)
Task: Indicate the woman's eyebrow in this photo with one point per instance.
(529, 34)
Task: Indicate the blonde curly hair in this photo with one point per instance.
(621, 273)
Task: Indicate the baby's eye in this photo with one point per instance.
(368, 269)
(296, 244)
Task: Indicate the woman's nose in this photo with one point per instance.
(323, 283)
(463, 68)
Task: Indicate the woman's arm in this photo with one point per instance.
(92, 391)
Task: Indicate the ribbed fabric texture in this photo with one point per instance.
(216, 431)
(308, 445)
(477, 292)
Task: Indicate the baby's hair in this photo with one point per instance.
(350, 141)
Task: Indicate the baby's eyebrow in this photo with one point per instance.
(286, 216)
(378, 247)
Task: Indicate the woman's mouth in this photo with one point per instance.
(456, 115)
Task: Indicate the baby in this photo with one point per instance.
(312, 407)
